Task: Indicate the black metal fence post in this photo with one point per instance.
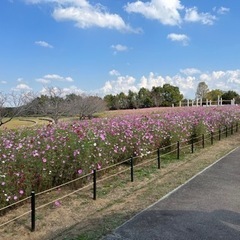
(211, 137)
(237, 127)
(33, 211)
(226, 131)
(203, 141)
(178, 150)
(232, 129)
(219, 134)
(131, 169)
(158, 158)
(94, 184)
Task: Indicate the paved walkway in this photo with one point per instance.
(207, 207)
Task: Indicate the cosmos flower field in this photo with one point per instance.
(44, 157)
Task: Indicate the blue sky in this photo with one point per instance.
(108, 46)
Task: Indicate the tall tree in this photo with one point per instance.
(132, 99)
(144, 98)
(171, 95)
(202, 90)
(157, 96)
(111, 102)
(122, 100)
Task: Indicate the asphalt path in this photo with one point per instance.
(206, 207)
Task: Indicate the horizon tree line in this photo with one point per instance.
(55, 104)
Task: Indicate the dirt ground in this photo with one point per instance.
(80, 217)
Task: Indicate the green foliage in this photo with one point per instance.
(213, 94)
(229, 95)
(144, 98)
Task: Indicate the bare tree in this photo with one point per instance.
(85, 106)
(52, 104)
(202, 90)
(13, 104)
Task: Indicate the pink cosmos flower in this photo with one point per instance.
(57, 203)
(21, 192)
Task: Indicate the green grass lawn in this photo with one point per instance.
(22, 122)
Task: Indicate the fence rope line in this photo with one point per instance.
(143, 163)
(13, 204)
(60, 198)
(14, 219)
(114, 165)
(61, 185)
(113, 175)
(174, 150)
(186, 146)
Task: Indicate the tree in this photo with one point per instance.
(171, 95)
(144, 98)
(111, 101)
(85, 106)
(13, 105)
(214, 94)
(122, 100)
(157, 96)
(202, 90)
(229, 95)
(132, 100)
(52, 104)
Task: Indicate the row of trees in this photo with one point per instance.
(156, 97)
(55, 104)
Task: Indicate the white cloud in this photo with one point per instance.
(62, 91)
(119, 48)
(43, 44)
(224, 80)
(22, 87)
(85, 15)
(43, 80)
(90, 17)
(3, 82)
(69, 79)
(192, 15)
(184, 39)
(114, 72)
(166, 12)
(57, 77)
(73, 89)
(121, 84)
(221, 10)
(20, 79)
(151, 81)
(53, 77)
(190, 71)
